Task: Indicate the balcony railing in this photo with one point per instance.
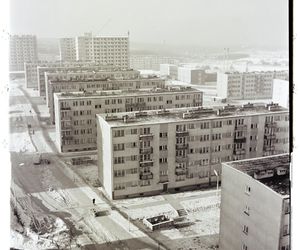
(163, 178)
(146, 137)
(67, 137)
(182, 146)
(147, 163)
(146, 176)
(181, 159)
(240, 127)
(270, 124)
(239, 140)
(65, 108)
(182, 133)
(270, 137)
(269, 148)
(148, 150)
(180, 171)
(239, 151)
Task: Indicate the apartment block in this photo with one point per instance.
(67, 49)
(169, 70)
(22, 48)
(103, 49)
(191, 75)
(255, 204)
(31, 73)
(93, 81)
(281, 92)
(247, 85)
(151, 62)
(75, 112)
(149, 152)
(41, 70)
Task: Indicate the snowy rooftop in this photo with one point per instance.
(189, 114)
(123, 92)
(265, 170)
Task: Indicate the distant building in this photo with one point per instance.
(281, 92)
(102, 80)
(67, 49)
(112, 50)
(145, 153)
(75, 112)
(31, 72)
(191, 75)
(247, 85)
(22, 48)
(169, 70)
(150, 62)
(255, 204)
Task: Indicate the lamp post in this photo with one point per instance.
(216, 173)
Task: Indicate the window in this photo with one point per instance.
(118, 133)
(285, 230)
(163, 160)
(133, 131)
(244, 247)
(247, 210)
(163, 135)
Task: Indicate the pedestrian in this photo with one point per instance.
(94, 200)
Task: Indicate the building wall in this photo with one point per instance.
(247, 85)
(281, 92)
(201, 156)
(90, 86)
(264, 219)
(150, 62)
(81, 111)
(67, 49)
(22, 49)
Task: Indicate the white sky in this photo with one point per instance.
(185, 22)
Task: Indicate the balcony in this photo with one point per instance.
(182, 146)
(269, 148)
(163, 178)
(181, 159)
(66, 118)
(239, 140)
(180, 171)
(240, 127)
(182, 133)
(270, 124)
(148, 150)
(148, 163)
(270, 137)
(146, 176)
(67, 137)
(146, 137)
(241, 151)
(65, 108)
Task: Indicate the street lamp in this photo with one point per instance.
(216, 173)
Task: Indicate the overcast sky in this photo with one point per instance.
(190, 22)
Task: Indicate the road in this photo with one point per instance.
(50, 190)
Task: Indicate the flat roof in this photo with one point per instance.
(278, 183)
(123, 92)
(189, 114)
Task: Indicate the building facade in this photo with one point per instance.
(151, 152)
(22, 48)
(67, 49)
(281, 92)
(169, 70)
(151, 62)
(103, 49)
(93, 81)
(191, 75)
(75, 112)
(255, 204)
(247, 85)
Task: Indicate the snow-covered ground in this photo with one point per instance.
(21, 142)
(138, 201)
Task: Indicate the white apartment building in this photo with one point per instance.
(149, 152)
(103, 49)
(31, 73)
(22, 48)
(191, 75)
(67, 49)
(255, 204)
(281, 92)
(247, 85)
(169, 70)
(77, 67)
(93, 81)
(75, 112)
(150, 62)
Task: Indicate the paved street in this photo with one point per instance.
(51, 190)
